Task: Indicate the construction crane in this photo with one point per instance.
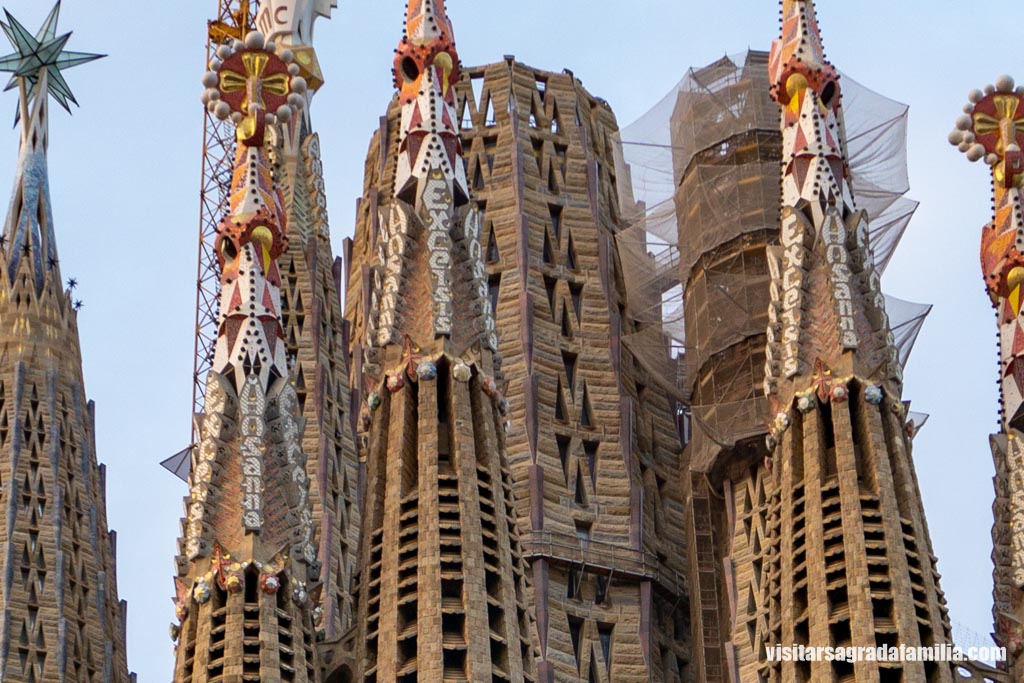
(234, 19)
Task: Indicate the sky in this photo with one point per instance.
(125, 172)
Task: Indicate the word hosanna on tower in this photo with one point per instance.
(546, 420)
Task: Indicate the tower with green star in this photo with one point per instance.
(60, 617)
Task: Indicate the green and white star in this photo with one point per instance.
(43, 51)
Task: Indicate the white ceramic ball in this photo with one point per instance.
(254, 40)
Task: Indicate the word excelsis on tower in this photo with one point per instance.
(442, 592)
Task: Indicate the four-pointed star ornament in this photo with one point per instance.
(42, 52)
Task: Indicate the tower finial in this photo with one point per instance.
(43, 52)
(798, 52)
(35, 66)
(428, 41)
(992, 129)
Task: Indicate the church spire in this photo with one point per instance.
(430, 179)
(60, 618)
(36, 67)
(248, 539)
(441, 527)
(852, 535)
(992, 129)
(828, 314)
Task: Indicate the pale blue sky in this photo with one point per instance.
(125, 178)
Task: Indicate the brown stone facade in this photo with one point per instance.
(592, 441)
(317, 337)
(60, 618)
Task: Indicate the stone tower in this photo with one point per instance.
(726, 201)
(315, 330)
(442, 584)
(993, 130)
(61, 619)
(845, 558)
(248, 574)
(593, 449)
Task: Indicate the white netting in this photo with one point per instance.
(688, 182)
(906, 320)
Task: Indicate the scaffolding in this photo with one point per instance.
(234, 18)
(703, 164)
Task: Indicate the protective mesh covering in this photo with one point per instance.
(688, 182)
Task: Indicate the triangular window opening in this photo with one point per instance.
(576, 634)
(590, 452)
(560, 410)
(478, 178)
(569, 360)
(604, 632)
(548, 255)
(556, 220)
(493, 256)
(465, 115)
(552, 182)
(476, 84)
(576, 292)
(562, 152)
(570, 255)
(581, 491)
(556, 126)
(566, 325)
(538, 154)
(586, 415)
(490, 146)
(563, 442)
(542, 88)
(490, 119)
(549, 288)
(494, 291)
